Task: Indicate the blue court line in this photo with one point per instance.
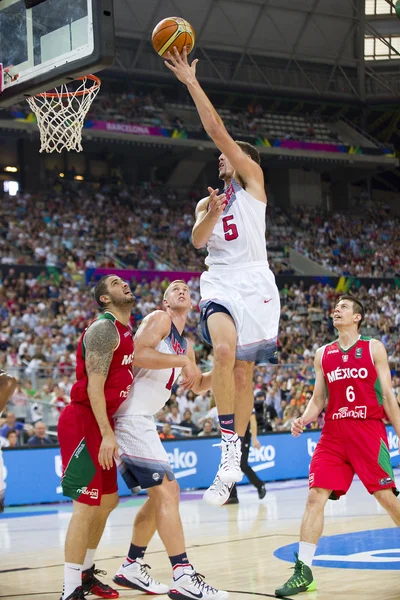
(17, 515)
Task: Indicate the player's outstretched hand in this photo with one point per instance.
(297, 426)
(216, 202)
(108, 449)
(179, 65)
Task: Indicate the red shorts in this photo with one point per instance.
(352, 446)
(79, 436)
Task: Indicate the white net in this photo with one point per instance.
(61, 113)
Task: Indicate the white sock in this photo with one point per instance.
(307, 552)
(89, 559)
(72, 578)
(226, 437)
(177, 571)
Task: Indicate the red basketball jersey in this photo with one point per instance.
(352, 383)
(120, 374)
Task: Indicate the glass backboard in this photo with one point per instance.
(52, 43)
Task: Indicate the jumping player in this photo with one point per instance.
(353, 374)
(240, 304)
(161, 352)
(87, 442)
(7, 387)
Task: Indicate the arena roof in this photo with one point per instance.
(310, 46)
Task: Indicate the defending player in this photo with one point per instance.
(353, 373)
(161, 352)
(87, 442)
(240, 304)
(7, 387)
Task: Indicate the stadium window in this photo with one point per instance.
(376, 49)
(378, 7)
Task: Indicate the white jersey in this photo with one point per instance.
(238, 238)
(151, 388)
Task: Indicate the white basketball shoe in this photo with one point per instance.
(134, 575)
(218, 493)
(191, 586)
(231, 453)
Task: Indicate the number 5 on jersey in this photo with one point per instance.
(230, 229)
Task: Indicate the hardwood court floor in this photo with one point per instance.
(232, 546)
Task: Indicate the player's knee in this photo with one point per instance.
(167, 492)
(224, 355)
(386, 498)
(317, 499)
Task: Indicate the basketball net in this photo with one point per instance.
(60, 114)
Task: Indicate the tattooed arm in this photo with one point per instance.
(100, 342)
(7, 387)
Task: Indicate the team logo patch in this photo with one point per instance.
(358, 352)
(156, 476)
(385, 481)
(345, 357)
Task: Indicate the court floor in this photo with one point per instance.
(233, 546)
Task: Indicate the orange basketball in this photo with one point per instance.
(171, 32)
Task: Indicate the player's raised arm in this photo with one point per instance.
(154, 328)
(7, 387)
(390, 404)
(100, 341)
(318, 399)
(212, 122)
(208, 211)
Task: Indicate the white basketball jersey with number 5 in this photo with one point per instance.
(238, 237)
(151, 388)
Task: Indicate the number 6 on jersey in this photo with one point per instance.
(350, 395)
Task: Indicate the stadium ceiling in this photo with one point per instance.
(310, 47)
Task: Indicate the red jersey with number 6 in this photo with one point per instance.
(352, 383)
(152, 387)
(120, 375)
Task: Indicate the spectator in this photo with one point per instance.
(207, 429)
(166, 433)
(187, 422)
(11, 424)
(12, 439)
(39, 438)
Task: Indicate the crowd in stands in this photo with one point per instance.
(43, 316)
(147, 228)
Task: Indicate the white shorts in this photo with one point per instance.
(2, 483)
(143, 461)
(251, 297)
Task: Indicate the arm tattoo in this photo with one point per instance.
(100, 341)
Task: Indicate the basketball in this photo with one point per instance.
(171, 32)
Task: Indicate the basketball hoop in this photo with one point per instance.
(60, 114)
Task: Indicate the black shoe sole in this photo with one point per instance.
(262, 493)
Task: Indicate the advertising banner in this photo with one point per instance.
(33, 475)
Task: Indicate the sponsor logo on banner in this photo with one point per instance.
(393, 442)
(377, 549)
(310, 446)
(58, 470)
(183, 464)
(262, 458)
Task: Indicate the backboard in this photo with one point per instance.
(52, 43)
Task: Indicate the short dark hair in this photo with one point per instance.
(250, 150)
(358, 308)
(101, 289)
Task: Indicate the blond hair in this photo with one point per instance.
(171, 284)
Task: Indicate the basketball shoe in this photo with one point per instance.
(77, 594)
(191, 586)
(302, 580)
(231, 453)
(134, 575)
(218, 493)
(92, 585)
